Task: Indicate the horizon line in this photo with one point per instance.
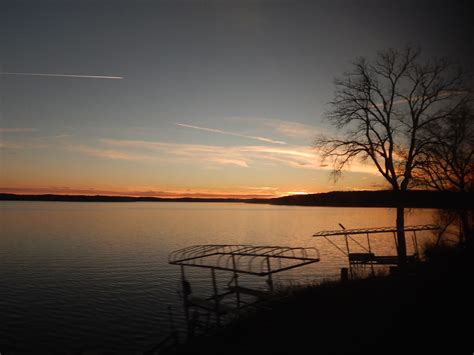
(205, 196)
(210, 196)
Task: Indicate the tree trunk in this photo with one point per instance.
(466, 229)
(401, 247)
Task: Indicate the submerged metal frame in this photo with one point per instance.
(238, 259)
(369, 258)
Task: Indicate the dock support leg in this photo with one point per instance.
(346, 239)
(370, 252)
(270, 280)
(236, 282)
(185, 290)
(216, 297)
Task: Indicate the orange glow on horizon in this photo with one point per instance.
(298, 193)
(189, 193)
(238, 193)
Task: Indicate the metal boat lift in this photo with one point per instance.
(368, 257)
(262, 261)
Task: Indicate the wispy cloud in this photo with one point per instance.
(22, 145)
(205, 156)
(188, 153)
(226, 161)
(11, 145)
(262, 139)
(108, 153)
(36, 142)
(17, 130)
(300, 157)
(64, 75)
(292, 129)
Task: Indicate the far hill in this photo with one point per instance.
(384, 198)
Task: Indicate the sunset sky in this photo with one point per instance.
(193, 98)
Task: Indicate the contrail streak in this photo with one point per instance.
(262, 139)
(64, 75)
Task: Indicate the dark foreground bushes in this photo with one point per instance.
(429, 310)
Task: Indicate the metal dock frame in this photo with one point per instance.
(368, 257)
(257, 260)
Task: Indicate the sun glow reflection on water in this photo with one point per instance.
(96, 276)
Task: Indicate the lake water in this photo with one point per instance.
(88, 276)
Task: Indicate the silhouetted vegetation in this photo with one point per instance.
(428, 310)
(384, 106)
(387, 198)
(448, 163)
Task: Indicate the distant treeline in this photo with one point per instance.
(100, 198)
(385, 198)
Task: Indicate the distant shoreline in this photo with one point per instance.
(104, 198)
(383, 198)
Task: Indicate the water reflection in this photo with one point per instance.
(96, 275)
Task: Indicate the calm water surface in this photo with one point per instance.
(87, 276)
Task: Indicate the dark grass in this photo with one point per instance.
(428, 310)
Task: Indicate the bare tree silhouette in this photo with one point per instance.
(383, 106)
(448, 161)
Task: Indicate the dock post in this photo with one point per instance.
(344, 274)
(236, 281)
(270, 280)
(346, 238)
(370, 252)
(186, 291)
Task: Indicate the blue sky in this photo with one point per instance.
(217, 97)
